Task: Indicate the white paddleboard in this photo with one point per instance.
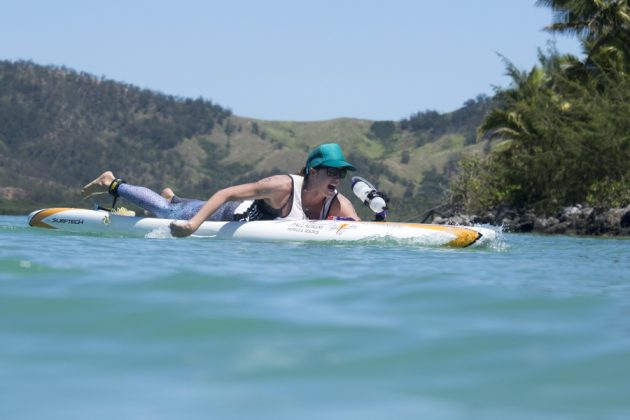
(104, 222)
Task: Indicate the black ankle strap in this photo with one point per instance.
(113, 187)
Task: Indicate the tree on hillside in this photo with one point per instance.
(505, 121)
(566, 119)
(569, 142)
(603, 26)
(383, 130)
(430, 125)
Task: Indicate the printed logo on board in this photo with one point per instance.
(67, 221)
(344, 227)
(312, 228)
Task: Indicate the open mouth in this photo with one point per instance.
(331, 188)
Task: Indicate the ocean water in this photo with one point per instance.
(121, 328)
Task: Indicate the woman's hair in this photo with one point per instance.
(305, 173)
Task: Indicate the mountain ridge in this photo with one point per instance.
(60, 128)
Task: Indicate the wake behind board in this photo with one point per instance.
(100, 221)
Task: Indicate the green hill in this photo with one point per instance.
(60, 128)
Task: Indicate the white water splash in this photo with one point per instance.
(160, 233)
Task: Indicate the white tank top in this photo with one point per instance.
(297, 212)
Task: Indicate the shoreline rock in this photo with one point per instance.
(572, 220)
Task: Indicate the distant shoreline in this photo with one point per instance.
(572, 220)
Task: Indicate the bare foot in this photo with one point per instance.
(167, 193)
(99, 186)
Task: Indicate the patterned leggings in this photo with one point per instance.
(177, 208)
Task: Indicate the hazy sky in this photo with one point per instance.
(288, 60)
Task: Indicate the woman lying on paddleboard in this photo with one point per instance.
(312, 195)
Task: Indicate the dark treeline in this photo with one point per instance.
(58, 126)
(562, 129)
(430, 125)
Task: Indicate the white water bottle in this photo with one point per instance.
(368, 194)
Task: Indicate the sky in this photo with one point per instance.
(292, 60)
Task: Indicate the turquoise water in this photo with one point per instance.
(102, 328)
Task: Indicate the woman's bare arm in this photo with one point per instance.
(272, 188)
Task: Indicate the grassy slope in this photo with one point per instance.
(354, 136)
(284, 146)
(236, 150)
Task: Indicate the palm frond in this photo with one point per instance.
(501, 124)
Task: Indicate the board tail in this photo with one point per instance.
(36, 218)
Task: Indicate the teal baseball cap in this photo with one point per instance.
(328, 154)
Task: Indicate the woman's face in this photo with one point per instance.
(326, 180)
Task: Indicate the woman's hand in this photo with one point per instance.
(181, 228)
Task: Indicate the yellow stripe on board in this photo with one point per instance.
(36, 221)
(464, 236)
